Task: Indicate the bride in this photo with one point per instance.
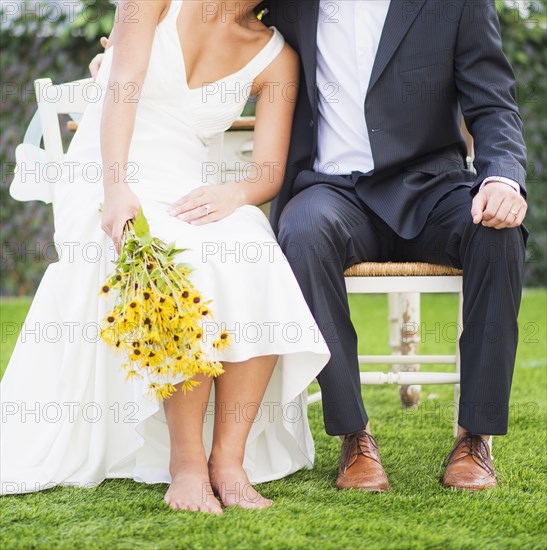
(175, 75)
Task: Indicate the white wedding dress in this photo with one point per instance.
(68, 415)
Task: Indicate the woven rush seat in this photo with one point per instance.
(401, 269)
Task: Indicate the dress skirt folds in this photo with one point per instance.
(69, 417)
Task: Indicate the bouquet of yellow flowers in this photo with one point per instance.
(157, 318)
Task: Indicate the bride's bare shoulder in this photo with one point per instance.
(256, 32)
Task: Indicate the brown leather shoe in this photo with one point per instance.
(469, 465)
(360, 464)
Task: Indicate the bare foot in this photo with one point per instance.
(231, 483)
(191, 490)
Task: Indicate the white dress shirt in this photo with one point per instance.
(348, 35)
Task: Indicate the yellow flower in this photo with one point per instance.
(105, 289)
(156, 322)
(132, 374)
(109, 336)
(165, 391)
(154, 335)
(168, 304)
(154, 357)
(189, 385)
(223, 341)
(110, 319)
(136, 356)
(159, 316)
(177, 323)
(212, 368)
(132, 312)
(216, 369)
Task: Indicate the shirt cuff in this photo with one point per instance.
(501, 179)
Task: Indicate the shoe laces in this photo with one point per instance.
(474, 446)
(355, 444)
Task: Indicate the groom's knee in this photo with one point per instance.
(499, 248)
(306, 225)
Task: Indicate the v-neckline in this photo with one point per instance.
(181, 54)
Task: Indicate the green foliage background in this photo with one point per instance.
(525, 44)
(60, 47)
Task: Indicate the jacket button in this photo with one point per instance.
(311, 123)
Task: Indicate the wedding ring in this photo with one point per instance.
(514, 213)
(207, 208)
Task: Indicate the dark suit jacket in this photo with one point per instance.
(436, 59)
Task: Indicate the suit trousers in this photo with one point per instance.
(327, 228)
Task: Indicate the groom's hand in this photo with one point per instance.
(95, 64)
(499, 206)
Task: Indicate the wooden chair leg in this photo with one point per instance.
(409, 344)
(394, 319)
(458, 364)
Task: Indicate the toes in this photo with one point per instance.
(257, 504)
(236, 490)
(211, 509)
(267, 503)
(252, 503)
(187, 493)
(171, 503)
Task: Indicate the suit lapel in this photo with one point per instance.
(400, 16)
(307, 38)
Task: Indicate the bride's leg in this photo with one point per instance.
(190, 488)
(238, 394)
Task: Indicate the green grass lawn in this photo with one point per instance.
(308, 511)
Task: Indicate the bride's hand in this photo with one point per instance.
(120, 204)
(207, 204)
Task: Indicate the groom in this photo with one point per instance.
(377, 172)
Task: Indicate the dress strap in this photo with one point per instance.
(267, 54)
